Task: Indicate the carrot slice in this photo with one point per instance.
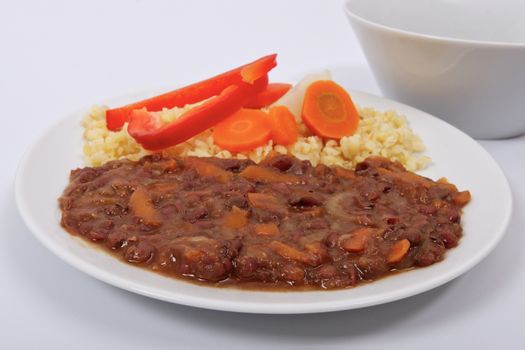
(168, 165)
(245, 130)
(269, 229)
(355, 242)
(140, 204)
(328, 110)
(205, 168)
(262, 200)
(317, 249)
(263, 174)
(291, 253)
(398, 251)
(461, 198)
(267, 202)
(284, 127)
(236, 218)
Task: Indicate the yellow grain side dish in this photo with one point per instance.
(102, 145)
(384, 133)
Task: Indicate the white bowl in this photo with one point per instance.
(461, 60)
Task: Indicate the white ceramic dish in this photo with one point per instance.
(461, 60)
(43, 174)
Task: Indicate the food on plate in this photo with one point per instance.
(236, 180)
(387, 134)
(241, 78)
(244, 130)
(284, 129)
(269, 95)
(186, 119)
(328, 110)
(279, 223)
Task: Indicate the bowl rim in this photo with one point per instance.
(435, 38)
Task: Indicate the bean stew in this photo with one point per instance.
(282, 223)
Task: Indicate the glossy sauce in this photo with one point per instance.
(282, 224)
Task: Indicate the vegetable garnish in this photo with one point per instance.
(283, 125)
(147, 129)
(243, 131)
(249, 73)
(328, 110)
(272, 93)
(294, 98)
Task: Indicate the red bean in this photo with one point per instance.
(139, 253)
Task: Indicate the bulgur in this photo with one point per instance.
(379, 133)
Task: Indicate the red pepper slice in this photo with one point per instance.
(249, 73)
(272, 93)
(146, 128)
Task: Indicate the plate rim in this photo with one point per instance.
(245, 306)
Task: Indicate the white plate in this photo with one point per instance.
(44, 171)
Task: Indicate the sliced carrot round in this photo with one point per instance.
(398, 251)
(243, 131)
(284, 127)
(328, 110)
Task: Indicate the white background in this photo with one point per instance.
(61, 56)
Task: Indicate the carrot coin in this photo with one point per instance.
(328, 110)
(284, 128)
(243, 131)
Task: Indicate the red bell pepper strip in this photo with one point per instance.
(147, 129)
(116, 117)
(272, 93)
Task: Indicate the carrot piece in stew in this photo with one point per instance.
(269, 229)
(236, 218)
(461, 198)
(205, 168)
(141, 205)
(356, 241)
(267, 202)
(263, 174)
(291, 253)
(398, 251)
